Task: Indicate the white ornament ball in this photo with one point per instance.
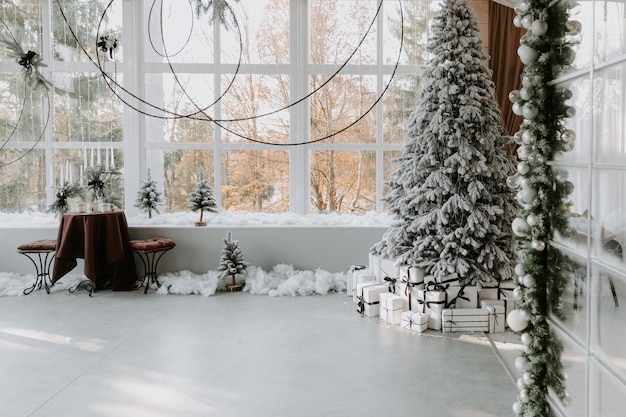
(532, 220)
(519, 227)
(570, 111)
(523, 395)
(516, 322)
(527, 378)
(527, 21)
(538, 245)
(521, 363)
(539, 27)
(530, 111)
(536, 158)
(567, 93)
(517, 21)
(528, 195)
(529, 281)
(513, 181)
(526, 315)
(526, 93)
(574, 27)
(514, 96)
(526, 339)
(523, 152)
(519, 270)
(567, 400)
(568, 135)
(568, 187)
(518, 293)
(561, 175)
(527, 54)
(567, 146)
(528, 137)
(521, 7)
(523, 168)
(530, 80)
(517, 108)
(520, 384)
(517, 408)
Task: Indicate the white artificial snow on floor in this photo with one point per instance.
(281, 280)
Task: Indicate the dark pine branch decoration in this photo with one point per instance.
(219, 9)
(107, 43)
(99, 184)
(543, 192)
(30, 61)
(63, 194)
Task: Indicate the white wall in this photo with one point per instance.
(198, 249)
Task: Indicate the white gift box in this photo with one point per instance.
(350, 279)
(504, 292)
(431, 303)
(411, 280)
(414, 320)
(360, 277)
(462, 297)
(495, 313)
(464, 320)
(369, 297)
(452, 279)
(374, 265)
(389, 268)
(391, 307)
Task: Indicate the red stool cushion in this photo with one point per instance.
(151, 245)
(45, 245)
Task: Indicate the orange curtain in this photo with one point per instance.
(506, 66)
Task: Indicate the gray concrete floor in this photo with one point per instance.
(234, 354)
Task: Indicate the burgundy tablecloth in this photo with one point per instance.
(100, 239)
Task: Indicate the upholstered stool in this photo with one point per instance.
(150, 252)
(41, 253)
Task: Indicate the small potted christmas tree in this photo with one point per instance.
(201, 198)
(231, 262)
(148, 197)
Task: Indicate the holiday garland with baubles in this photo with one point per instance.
(542, 190)
(451, 207)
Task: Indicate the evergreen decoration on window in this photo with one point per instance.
(543, 191)
(30, 61)
(201, 198)
(451, 207)
(220, 10)
(107, 43)
(63, 194)
(148, 197)
(99, 182)
(231, 262)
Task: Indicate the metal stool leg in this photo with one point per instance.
(85, 283)
(42, 267)
(150, 261)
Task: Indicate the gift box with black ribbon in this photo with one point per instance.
(431, 303)
(389, 270)
(411, 280)
(360, 277)
(502, 291)
(464, 320)
(495, 312)
(374, 265)
(369, 298)
(350, 278)
(461, 296)
(391, 307)
(414, 320)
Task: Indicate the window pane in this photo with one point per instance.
(264, 29)
(343, 181)
(255, 181)
(22, 182)
(85, 110)
(416, 15)
(398, 104)
(177, 172)
(251, 102)
(78, 25)
(337, 27)
(176, 33)
(339, 104)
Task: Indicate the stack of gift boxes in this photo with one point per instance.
(406, 296)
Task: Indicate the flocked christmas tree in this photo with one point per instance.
(148, 196)
(451, 207)
(231, 262)
(201, 198)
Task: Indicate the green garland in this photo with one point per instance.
(30, 61)
(63, 193)
(543, 272)
(99, 184)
